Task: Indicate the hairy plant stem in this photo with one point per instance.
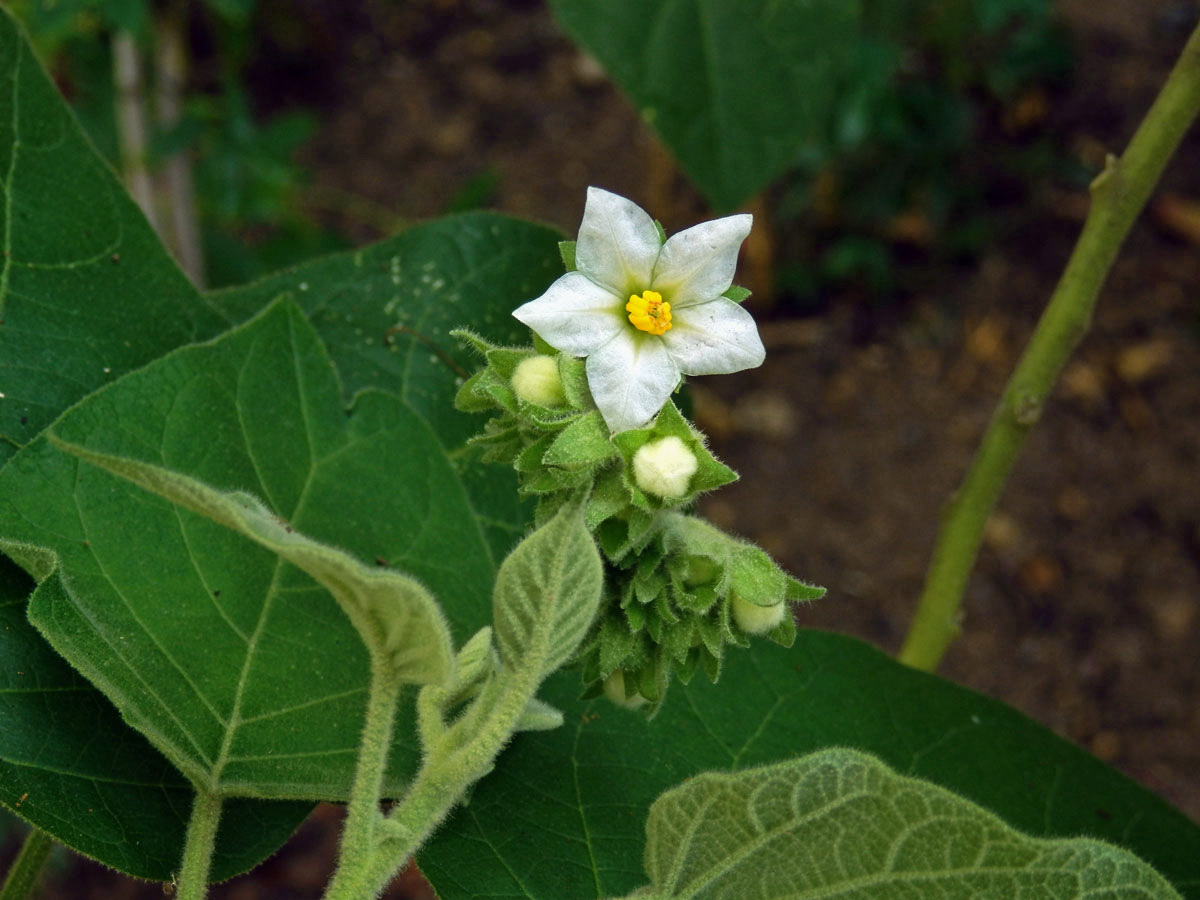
(27, 867)
(465, 754)
(1118, 195)
(360, 833)
(198, 846)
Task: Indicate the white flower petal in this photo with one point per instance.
(714, 338)
(631, 378)
(617, 244)
(697, 264)
(575, 315)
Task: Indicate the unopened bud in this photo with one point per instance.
(536, 380)
(754, 619)
(664, 467)
(614, 690)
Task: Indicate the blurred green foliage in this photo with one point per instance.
(249, 189)
(938, 128)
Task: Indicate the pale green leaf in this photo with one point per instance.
(840, 824)
(599, 774)
(547, 594)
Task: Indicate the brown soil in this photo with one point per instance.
(1084, 609)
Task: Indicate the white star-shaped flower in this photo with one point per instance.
(644, 313)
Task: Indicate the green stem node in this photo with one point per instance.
(1118, 195)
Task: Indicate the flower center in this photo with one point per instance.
(649, 312)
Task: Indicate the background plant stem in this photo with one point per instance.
(1118, 195)
(171, 68)
(133, 132)
(27, 867)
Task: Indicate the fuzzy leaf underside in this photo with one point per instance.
(839, 823)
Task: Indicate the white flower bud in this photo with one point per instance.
(536, 380)
(754, 619)
(614, 690)
(664, 467)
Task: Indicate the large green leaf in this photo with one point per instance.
(563, 813)
(734, 89)
(385, 313)
(235, 665)
(87, 292)
(840, 824)
(83, 776)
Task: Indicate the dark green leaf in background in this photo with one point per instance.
(86, 778)
(87, 292)
(735, 90)
(564, 813)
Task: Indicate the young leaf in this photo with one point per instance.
(547, 594)
(734, 89)
(602, 770)
(238, 667)
(840, 823)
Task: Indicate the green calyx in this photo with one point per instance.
(674, 584)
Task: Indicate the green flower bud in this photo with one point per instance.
(754, 619)
(664, 468)
(536, 380)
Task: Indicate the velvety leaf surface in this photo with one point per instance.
(385, 313)
(547, 592)
(237, 666)
(86, 778)
(734, 89)
(838, 823)
(87, 292)
(563, 814)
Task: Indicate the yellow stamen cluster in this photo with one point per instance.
(649, 312)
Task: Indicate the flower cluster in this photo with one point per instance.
(642, 310)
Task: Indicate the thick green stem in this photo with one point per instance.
(360, 833)
(198, 846)
(1118, 195)
(27, 868)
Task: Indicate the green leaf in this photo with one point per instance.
(84, 298)
(598, 775)
(85, 777)
(840, 824)
(386, 312)
(734, 89)
(269, 702)
(395, 615)
(547, 594)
